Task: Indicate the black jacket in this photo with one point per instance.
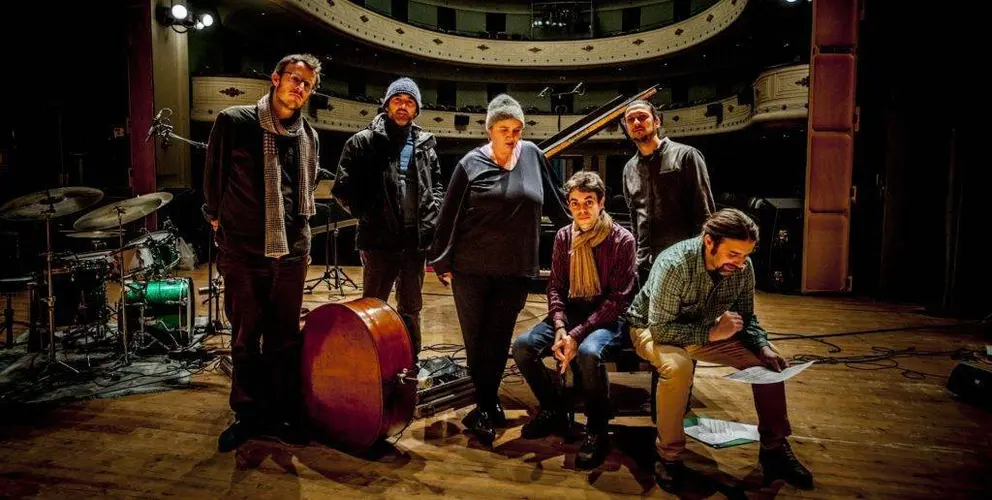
(367, 184)
(669, 198)
(234, 185)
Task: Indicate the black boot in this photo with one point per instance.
(237, 433)
(595, 447)
(480, 423)
(781, 463)
(670, 475)
(498, 415)
(546, 423)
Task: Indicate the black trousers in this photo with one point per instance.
(487, 309)
(262, 300)
(380, 269)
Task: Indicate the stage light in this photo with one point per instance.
(179, 11)
(182, 19)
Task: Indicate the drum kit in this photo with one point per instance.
(152, 300)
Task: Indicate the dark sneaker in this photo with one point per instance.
(236, 435)
(670, 474)
(593, 450)
(546, 423)
(781, 463)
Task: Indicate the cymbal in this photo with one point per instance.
(53, 203)
(130, 210)
(94, 234)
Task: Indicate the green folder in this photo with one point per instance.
(692, 420)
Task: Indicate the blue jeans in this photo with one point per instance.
(588, 365)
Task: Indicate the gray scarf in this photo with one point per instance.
(275, 216)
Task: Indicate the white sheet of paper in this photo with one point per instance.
(715, 432)
(762, 375)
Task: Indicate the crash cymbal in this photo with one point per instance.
(129, 210)
(54, 202)
(94, 234)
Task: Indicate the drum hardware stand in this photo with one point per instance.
(141, 336)
(122, 311)
(335, 273)
(85, 331)
(50, 298)
(213, 290)
(87, 327)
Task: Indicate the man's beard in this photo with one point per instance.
(291, 104)
(647, 137)
(393, 117)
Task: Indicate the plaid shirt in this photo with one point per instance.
(681, 301)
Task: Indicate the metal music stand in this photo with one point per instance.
(334, 212)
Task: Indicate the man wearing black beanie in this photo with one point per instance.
(388, 177)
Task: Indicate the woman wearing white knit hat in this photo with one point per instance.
(486, 244)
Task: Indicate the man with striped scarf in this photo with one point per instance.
(259, 178)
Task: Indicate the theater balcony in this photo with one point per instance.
(438, 44)
(778, 94)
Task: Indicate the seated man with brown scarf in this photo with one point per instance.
(593, 280)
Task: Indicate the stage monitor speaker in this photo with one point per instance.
(972, 383)
(461, 120)
(778, 258)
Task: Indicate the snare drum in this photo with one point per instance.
(156, 253)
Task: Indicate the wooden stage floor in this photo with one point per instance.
(864, 434)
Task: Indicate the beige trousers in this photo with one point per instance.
(674, 367)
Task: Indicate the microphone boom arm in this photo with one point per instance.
(163, 128)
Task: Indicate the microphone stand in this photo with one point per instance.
(163, 128)
(556, 97)
(213, 289)
(165, 131)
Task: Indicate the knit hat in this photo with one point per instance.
(503, 107)
(403, 86)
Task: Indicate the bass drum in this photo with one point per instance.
(359, 383)
(169, 308)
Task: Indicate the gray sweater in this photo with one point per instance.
(491, 218)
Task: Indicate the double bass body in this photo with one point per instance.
(357, 364)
